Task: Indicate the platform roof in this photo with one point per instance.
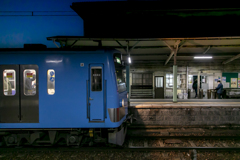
(159, 18)
(157, 50)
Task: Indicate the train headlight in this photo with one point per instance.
(121, 102)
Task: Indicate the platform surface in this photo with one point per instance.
(191, 103)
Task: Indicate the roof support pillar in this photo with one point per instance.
(128, 80)
(175, 74)
(128, 75)
(198, 84)
(174, 83)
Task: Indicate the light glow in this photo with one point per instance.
(203, 57)
(129, 60)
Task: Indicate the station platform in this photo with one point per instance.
(188, 103)
(193, 112)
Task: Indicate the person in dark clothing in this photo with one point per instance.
(195, 87)
(219, 89)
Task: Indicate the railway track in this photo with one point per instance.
(144, 145)
(118, 149)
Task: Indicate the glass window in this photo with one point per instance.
(159, 82)
(169, 80)
(9, 79)
(51, 81)
(29, 81)
(96, 76)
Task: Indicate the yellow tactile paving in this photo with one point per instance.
(183, 104)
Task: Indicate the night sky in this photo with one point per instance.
(17, 30)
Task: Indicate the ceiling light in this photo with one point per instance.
(202, 57)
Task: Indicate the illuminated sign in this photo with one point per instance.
(29, 75)
(118, 60)
(9, 75)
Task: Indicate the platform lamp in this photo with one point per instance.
(129, 59)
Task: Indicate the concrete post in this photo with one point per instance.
(198, 85)
(128, 80)
(174, 83)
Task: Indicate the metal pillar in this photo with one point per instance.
(187, 80)
(174, 83)
(198, 85)
(128, 80)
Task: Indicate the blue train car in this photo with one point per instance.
(56, 96)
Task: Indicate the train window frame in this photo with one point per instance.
(51, 78)
(24, 82)
(14, 81)
(100, 76)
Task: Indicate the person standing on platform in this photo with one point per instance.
(195, 87)
(219, 89)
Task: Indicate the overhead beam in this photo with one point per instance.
(173, 51)
(171, 48)
(73, 43)
(134, 46)
(231, 59)
(55, 43)
(121, 46)
(207, 50)
(140, 39)
(162, 47)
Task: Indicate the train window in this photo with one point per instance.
(96, 76)
(9, 79)
(29, 79)
(51, 81)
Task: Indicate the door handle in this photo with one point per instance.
(90, 99)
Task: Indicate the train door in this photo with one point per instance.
(19, 94)
(96, 94)
(9, 94)
(29, 94)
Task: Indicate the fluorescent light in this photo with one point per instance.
(129, 60)
(202, 57)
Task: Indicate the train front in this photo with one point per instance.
(118, 114)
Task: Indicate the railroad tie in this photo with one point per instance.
(130, 144)
(208, 144)
(192, 144)
(145, 143)
(161, 143)
(224, 145)
(238, 144)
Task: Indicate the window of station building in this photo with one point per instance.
(9, 79)
(169, 81)
(96, 79)
(29, 82)
(51, 81)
